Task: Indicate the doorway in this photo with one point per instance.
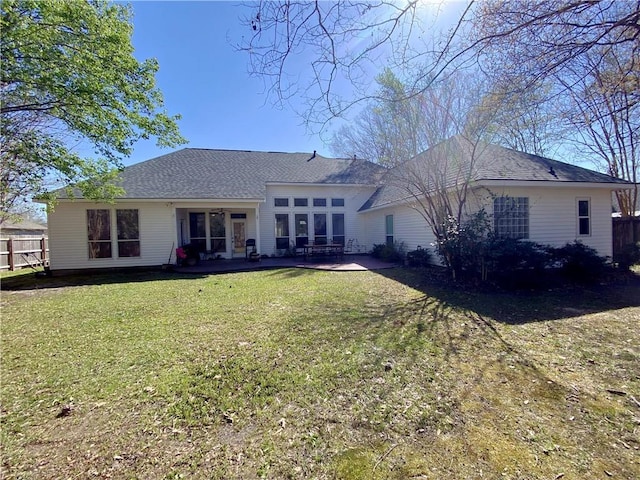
(238, 227)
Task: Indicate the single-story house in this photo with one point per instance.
(22, 228)
(218, 199)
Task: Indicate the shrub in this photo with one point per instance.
(515, 263)
(629, 256)
(421, 257)
(461, 246)
(579, 262)
(389, 252)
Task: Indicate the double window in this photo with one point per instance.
(511, 217)
(99, 233)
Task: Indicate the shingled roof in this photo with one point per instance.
(491, 163)
(194, 173)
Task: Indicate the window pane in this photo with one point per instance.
(511, 217)
(320, 224)
(129, 249)
(127, 223)
(389, 224)
(282, 225)
(338, 224)
(319, 202)
(300, 202)
(218, 245)
(281, 202)
(100, 249)
(99, 224)
(583, 208)
(585, 228)
(302, 227)
(337, 202)
(99, 233)
(216, 225)
(197, 225)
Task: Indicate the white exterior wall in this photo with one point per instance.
(553, 217)
(354, 198)
(68, 242)
(409, 227)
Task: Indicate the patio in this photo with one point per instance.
(349, 263)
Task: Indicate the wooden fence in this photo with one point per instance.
(19, 252)
(625, 232)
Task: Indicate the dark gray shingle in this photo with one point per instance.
(454, 157)
(194, 173)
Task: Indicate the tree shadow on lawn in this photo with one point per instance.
(32, 281)
(519, 307)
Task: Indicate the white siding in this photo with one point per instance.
(409, 227)
(68, 241)
(553, 218)
(553, 215)
(354, 198)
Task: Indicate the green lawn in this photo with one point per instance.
(306, 374)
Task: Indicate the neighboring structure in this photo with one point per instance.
(217, 199)
(22, 228)
(22, 243)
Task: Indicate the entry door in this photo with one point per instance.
(239, 236)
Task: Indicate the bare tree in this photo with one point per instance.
(586, 53)
(605, 118)
(392, 128)
(315, 50)
(541, 46)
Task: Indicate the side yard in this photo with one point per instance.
(307, 374)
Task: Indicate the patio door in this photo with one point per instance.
(238, 227)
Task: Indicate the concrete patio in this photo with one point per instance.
(349, 263)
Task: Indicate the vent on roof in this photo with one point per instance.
(312, 156)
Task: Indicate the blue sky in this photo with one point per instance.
(203, 78)
(206, 80)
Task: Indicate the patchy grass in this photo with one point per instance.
(305, 374)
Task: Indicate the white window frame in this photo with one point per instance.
(580, 217)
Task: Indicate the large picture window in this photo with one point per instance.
(282, 231)
(99, 233)
(128, 233)
(511, 217)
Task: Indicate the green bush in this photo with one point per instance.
(629, 256)
(461, 246)
(515, 263)
(579, 262)
(393, 252)
(421, 257)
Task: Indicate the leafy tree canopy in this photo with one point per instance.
(69, 77)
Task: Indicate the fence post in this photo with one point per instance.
(10, 250)
(43, 250)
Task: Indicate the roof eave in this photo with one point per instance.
(554, 184)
